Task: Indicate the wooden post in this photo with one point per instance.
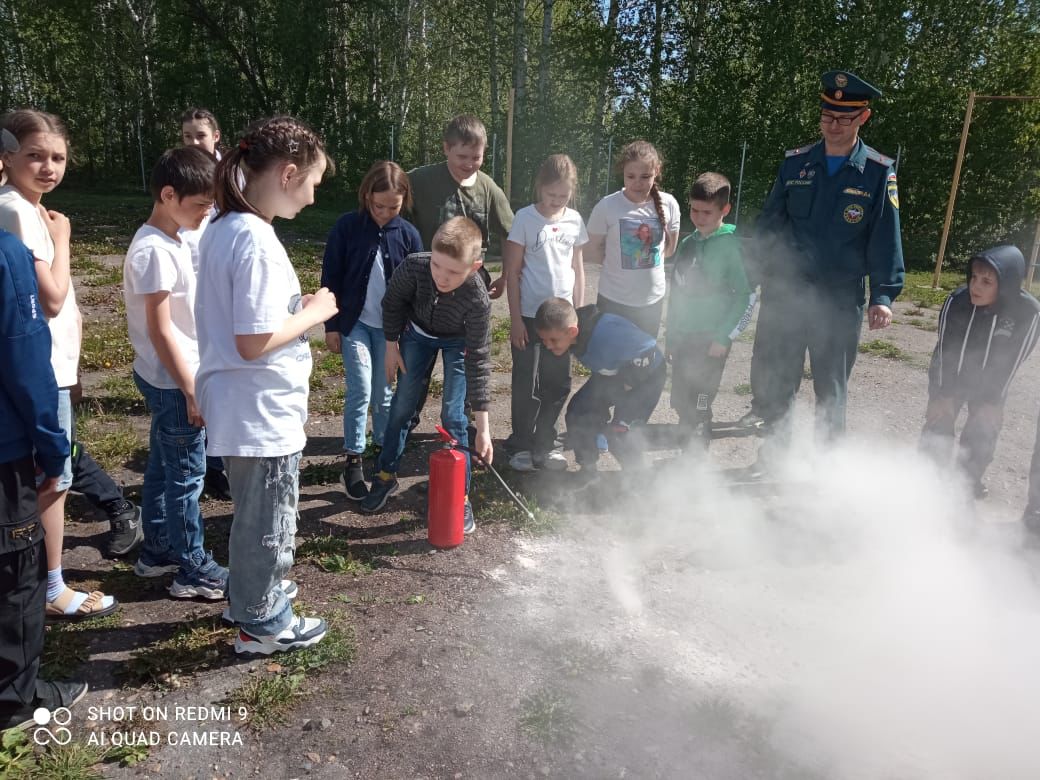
(508, 181)
(1033, 257)
(953, 190)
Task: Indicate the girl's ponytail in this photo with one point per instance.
(265, 144)
(646, 152)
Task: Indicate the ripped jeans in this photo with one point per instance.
(266, 492)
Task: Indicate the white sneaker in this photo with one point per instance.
(522, 461)
(289, 588)
(302, 632)
(551, 461)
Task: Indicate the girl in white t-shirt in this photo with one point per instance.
(35, 151)
(631, 232)
(542, 260)
(254, 368)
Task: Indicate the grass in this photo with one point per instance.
(321, 473)
(580, 369)
(194, 647)
(66, 646)
(327, 401)
(333, 554)
(546, 717)
(917, 287)
(270, 697)
(106, 344)
(577, 658)
(885, 349)
(110, 440)
(501, 328)
(326, 364)
(74, 761)
(742, 389)
(492, 504)
(17, 758)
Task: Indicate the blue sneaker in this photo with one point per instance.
(209, 581)
(381, 489)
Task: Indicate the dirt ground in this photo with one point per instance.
(606, 648)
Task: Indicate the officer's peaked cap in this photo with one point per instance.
(846, 92)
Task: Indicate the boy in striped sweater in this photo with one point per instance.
(434, 303)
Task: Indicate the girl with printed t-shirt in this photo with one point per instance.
(631, 232)
(252, 324)
(542, 260)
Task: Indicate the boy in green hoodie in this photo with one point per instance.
(710, 304)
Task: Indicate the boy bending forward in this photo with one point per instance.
(628, 373)
(436, 303)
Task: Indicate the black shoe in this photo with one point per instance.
(379, 493)
(753, 421)
(353, 479)
(469, 523)
(50, 695)
(127, 531)
(216, 485)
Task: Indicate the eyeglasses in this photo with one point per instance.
(844, 121)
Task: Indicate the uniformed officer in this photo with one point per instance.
(830, 221)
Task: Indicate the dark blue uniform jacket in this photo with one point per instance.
(832, 231)
(28, 392)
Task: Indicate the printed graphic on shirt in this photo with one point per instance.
(455, 207)
(640, 243)
(555, 235)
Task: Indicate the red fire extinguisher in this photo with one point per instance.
(444, 510)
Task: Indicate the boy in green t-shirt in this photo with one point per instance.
(710, 303)
(458, 188)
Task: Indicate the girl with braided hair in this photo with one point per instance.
(631, 232)
(255, 363)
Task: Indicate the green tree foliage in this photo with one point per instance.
(699, 78)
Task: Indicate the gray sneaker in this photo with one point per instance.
(127, 531)
(302, 632)
(469, 523)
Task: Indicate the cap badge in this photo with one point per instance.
(841, 80)
(837, 94)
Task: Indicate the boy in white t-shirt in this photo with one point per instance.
(159, 288)
(542, 260)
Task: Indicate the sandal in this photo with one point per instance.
(90, 608)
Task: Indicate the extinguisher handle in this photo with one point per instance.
(446, 437)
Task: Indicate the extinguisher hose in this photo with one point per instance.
(516, 499)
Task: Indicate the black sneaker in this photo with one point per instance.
(50, 695)
(980, 490)
(753, 421)
(379, 493)
(127, 531)
(216, 485)
(469, 523)
(353, 479)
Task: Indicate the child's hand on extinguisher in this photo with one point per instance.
(483, 442)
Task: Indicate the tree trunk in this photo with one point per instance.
(656, 47)
(543, 64)
(596, 174)
(492, 35)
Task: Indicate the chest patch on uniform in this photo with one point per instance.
(853, 213)
(856, 191)
(893, 190)
(797, 182)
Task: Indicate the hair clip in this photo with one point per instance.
(294, 146)
(8, 143)
(243, 145)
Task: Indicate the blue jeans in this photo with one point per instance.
(266, 493)
(364, 353)
(419, 354)
(173, 480)
(68, 424)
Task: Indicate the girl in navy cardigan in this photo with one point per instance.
(363, 250)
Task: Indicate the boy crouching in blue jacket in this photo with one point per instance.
(628, 374)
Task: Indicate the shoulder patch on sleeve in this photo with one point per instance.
(892, 189)
(797, 151)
